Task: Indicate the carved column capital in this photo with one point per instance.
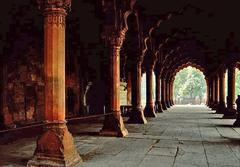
(45, 5)
(116, 39)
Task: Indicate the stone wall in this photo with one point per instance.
(23, 93)
(24, 88)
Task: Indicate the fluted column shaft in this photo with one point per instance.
(55, 132)
(113, 124)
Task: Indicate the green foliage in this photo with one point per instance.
(189, 83)
(237, 82)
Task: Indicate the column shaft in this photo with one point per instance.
(113, 124)
(158, 94)
(129, 89)
(221, 106)
(231, 111)
(149, 110)
(216, 92)
(167, 94)
(137, 115)
(213, 94)
(55, 147)
(163, 93)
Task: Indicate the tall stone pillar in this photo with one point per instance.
(167, 94)
(172, 88)
(158, 93)
(208, 92)
(213, 93)
(216, 91)
(113, 124)
(55, 147)
(222, 105)
(163, 93)
(170, 93)
(137, 115)
(129, 89)
(149, 110)
(231, 111)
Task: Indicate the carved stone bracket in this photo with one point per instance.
(51, 4)
(116, 39)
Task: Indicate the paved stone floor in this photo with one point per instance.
(184, 136)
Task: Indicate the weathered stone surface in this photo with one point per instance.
(184, 137)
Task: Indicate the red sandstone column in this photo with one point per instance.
(221, 106)
(149, 110)
(113, 124)
(163, 93)
(213, 93)
(55, 147)
(216, 91)
(170, 93)
(208, 92)
(129, 89)
(158, 95)
(137, 115)
(231, 111)
(167, 93)
(172, 82)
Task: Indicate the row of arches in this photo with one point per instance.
(128, 49)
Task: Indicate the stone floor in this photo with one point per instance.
(184, 136)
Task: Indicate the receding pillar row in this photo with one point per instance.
(55, 147)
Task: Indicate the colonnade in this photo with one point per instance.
(61, 150)
(216, 92)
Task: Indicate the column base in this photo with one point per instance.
(149, 111)
(137, 116)
(168, 104)
(221, 109)
(114, 126)
(229, 114)
(159, 107)
(55, 148)
(164, 107)
(210, 105)
(237, 122)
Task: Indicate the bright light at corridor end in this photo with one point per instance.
(189, 87)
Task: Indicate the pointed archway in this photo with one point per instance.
(190, 87)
